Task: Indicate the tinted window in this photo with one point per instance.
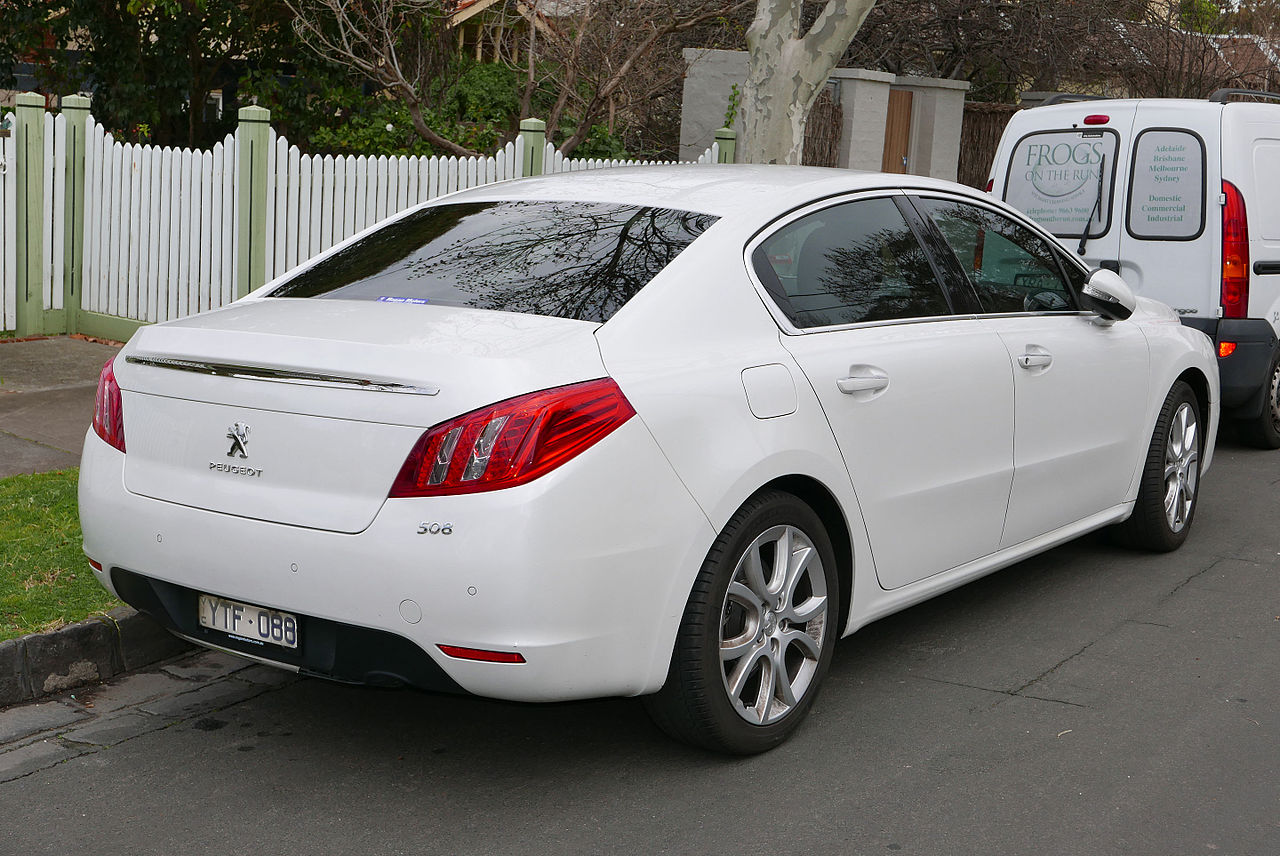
(847, 264)
(1166, 190)
(1064, 180)
(580, 260)
(1010, 267)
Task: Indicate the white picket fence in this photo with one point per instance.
(161, 225)
(8, 236)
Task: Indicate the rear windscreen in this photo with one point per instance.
(580, 260)
(1064, 180)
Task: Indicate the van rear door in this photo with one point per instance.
(1170, 223)
(1067, 165)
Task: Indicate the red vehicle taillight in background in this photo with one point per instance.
(1235, 254)
(108, 413)
(512, 442)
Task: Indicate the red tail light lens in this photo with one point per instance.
(481, 655)
(108, 414)
(512, 442)
(991, 182)
(1235, 254)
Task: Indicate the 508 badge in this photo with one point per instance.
(435, 528)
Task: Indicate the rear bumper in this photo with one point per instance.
(584, 572)
(1244, 374)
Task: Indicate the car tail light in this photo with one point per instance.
(991, 182)
(108, 413)
(1235, 254)
(1226, 349)
(512, 442)
(459, 653)
(97, 566)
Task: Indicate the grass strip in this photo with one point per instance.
(45, 580)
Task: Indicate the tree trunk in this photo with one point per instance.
(787, 72)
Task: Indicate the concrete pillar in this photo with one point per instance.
(937, 115)
(864, 98)
(708, 88)
(252, 144)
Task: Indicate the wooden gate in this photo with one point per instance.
(897, 132)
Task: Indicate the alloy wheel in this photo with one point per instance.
(773, 625)
(1181, 467)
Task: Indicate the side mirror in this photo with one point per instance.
(1107, 294)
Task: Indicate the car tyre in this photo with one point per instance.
(757, 634)
(1170, 483)
(1264, 431)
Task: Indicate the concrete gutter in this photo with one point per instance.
(87, 652)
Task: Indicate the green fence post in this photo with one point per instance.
(728, 140)
(29, 136)
(534, 132)
(76, 110)
(252, 141)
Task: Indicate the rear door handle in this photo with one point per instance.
(863, 379)
(1035, 357)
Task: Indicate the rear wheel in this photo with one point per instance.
(1264, 432)
(1170, 482)
(757, 634)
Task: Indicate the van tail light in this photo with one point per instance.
(991, 182)
(108, 413)
(512, 442)
(1235, 254)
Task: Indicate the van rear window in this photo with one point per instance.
(1064, 180)
(1166, 190)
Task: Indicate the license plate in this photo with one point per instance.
(249, 623)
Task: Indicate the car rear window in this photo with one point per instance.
(580, 260)
(1064, 180)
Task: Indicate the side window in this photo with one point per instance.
(1010, 267)
(847, 264)
(1166, 192)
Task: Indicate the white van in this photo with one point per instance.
(1182, 199)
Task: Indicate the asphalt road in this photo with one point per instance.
(1088, 701)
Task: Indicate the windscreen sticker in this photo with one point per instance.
(1062, 180)
(418, 300)
(1167, 189)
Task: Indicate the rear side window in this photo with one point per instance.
(848, 264)
(1064, 180)
(580, 260)
(1166, 191)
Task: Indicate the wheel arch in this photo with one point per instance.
(1199, 384)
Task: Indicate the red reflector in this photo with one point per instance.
(97, 566)
(1226, 349)
(512, 442)
(991, 182)
(108, 413)
(1097, 119)
(481, 655)
(1235, 254)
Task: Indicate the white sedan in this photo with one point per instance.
(662, 432)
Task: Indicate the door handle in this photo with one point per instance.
(863, 379)
(1035, 357)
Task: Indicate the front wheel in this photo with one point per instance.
(1170, 482)
(757, 633)
(1264, 431)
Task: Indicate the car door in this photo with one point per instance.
(1080, 385)
(920, 401)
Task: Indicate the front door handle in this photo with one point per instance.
(1035, 357)
(863, 379)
